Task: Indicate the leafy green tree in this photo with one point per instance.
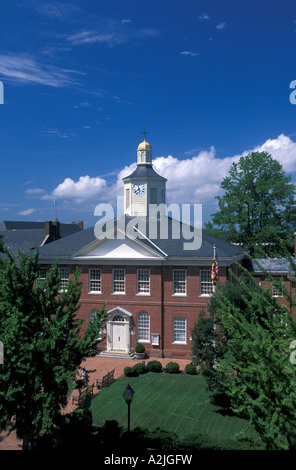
(255, 372)
(44, 345)
(258, 207)
(209, 337)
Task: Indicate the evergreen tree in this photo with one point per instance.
(43, 345)
(258, 207)
(209, 336)
(255, 371)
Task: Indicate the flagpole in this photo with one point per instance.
(214, 278)
(214, 290)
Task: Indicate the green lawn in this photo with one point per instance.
(175, 403)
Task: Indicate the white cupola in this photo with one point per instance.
(144, 186)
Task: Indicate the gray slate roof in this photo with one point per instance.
(271, 265)
(65, 248)
(144, 171)
(26, 236)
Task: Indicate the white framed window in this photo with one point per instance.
(64, 275)
(179, 281)
(143, 281)
(206, 284)
(276, 290)
(118, 281)
(41, 274)
(95, 282)
(143, 326)
(179, 330)
(155, 339)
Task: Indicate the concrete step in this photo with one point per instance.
(117, 355)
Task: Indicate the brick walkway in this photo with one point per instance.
(97, 368)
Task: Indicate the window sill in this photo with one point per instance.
(92, 292)
(179, 295)
(205, 295)
(144, 294)
(182, 343)
(118, 293)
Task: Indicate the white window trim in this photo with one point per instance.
(146, 341)
(180, 342)
(118, 292)
(63, 289)
(148, 282)
(274, 289)
(200, 283)
(39, 278)
(179, 294)
(89, 281)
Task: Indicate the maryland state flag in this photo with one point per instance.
(215, 267)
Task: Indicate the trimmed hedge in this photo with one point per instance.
(172, 368)
(140, 368)
(130, 372)
(191, 369)
(154, 366)
(140, 348)
(136, 370)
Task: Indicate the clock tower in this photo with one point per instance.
(144, 186)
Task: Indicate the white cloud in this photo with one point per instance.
(195, 179)
(111, 32)
(189, 53)
(35, 191)
(27, 212)
(282, 149)
(221, 25)
(56, 9)
(86, 188)
(204, 16)
(57, 133)
(24, 69)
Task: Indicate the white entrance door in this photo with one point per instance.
(119, 339)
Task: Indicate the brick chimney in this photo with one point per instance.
(80, 224)
(52, 230)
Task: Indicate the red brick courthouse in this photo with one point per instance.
(154, 275)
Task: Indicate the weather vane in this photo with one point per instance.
(144, 132)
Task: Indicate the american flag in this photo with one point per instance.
(215, 267)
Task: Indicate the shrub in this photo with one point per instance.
(172, 367)
(140, 368)
(140, 348)
(130, 372)
(154, 366)
(191, 369)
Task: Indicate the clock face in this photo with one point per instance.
(139, 189)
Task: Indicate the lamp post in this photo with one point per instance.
(128, 395)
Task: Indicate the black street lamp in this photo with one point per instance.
(128, 395)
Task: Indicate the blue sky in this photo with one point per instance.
(210, 79)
